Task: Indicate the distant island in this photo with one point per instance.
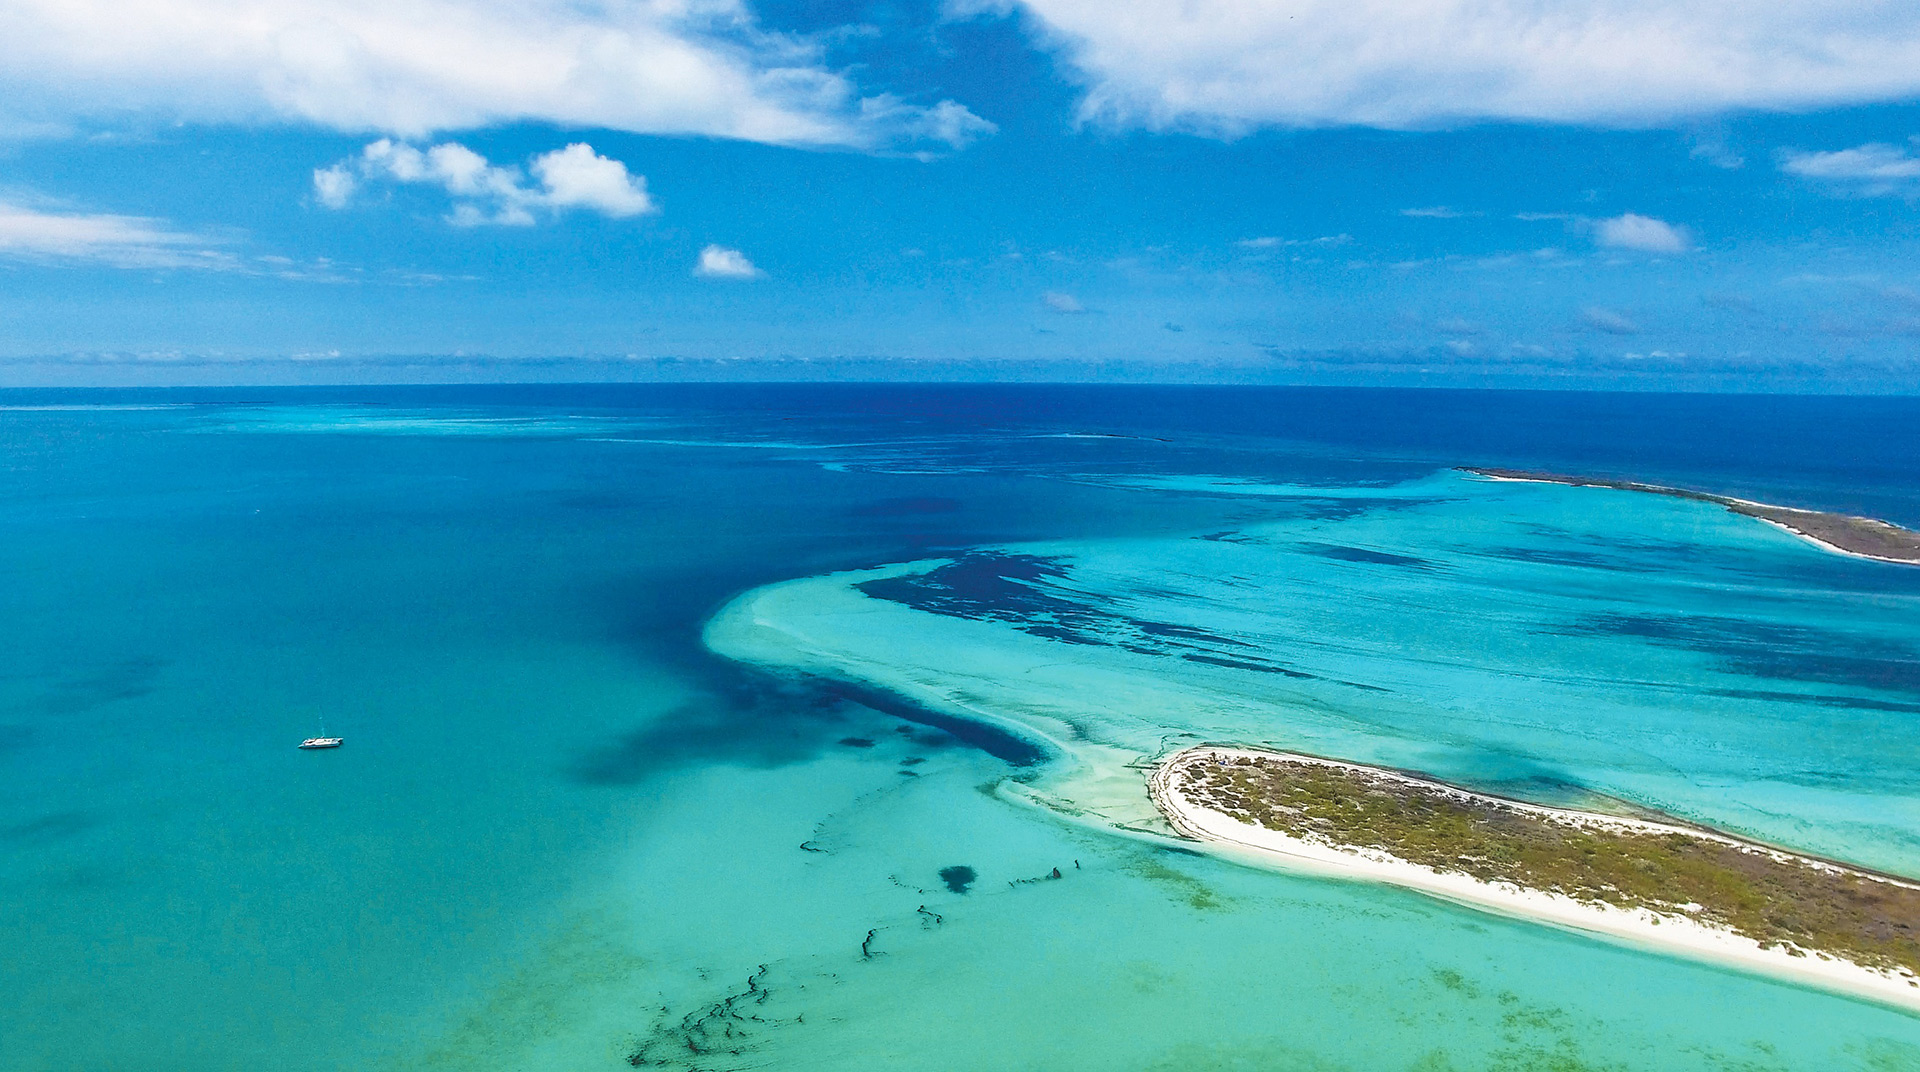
(1681, 887)
(1865, 537)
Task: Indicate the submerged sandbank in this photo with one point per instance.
(1065, 645)
(815, 627)
(1583, 870)
(1862, 537)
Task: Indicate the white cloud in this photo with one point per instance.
(719, 262)
(413, 67)
(334, 186)
(1273, 242)
(1643, 233)
(1062, 303)
(1714, 148)
(1227, 66)
(1611, 321)
(1437, 212)
(1874, 168)
(577, 177)
(573, 177)
(120, 241)
(947, 123)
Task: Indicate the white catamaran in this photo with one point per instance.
(323, 741)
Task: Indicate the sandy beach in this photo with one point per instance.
(1669, 933)
(1825, 545)
(1844, 534)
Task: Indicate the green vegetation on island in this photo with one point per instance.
(1865, 536)
(1776, 898)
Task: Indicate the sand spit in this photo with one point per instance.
(1172, 782)
(1860, 537)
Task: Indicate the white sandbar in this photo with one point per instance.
(1666, 932)
(1783, 525)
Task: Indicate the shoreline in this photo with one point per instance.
(1645, 928)
(1844, 534)
(1124, 792)
(1830, 547)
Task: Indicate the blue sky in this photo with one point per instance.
(1616, 193)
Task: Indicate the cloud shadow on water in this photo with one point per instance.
(128, 679)
(1773, 650)
(49, 828)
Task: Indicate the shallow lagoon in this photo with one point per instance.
(561, 832)
(1555, 643)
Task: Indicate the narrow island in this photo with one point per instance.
(1682, 888)
(1865, 537)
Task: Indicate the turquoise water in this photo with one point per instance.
(564, 835)
(1560, 643)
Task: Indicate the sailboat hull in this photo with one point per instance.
(322, 742)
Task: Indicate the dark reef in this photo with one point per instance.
(958, 877)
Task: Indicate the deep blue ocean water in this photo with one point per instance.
(564, 834)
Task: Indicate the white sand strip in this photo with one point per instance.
(1670, 933)
(1818, 542)
(1721, 500)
